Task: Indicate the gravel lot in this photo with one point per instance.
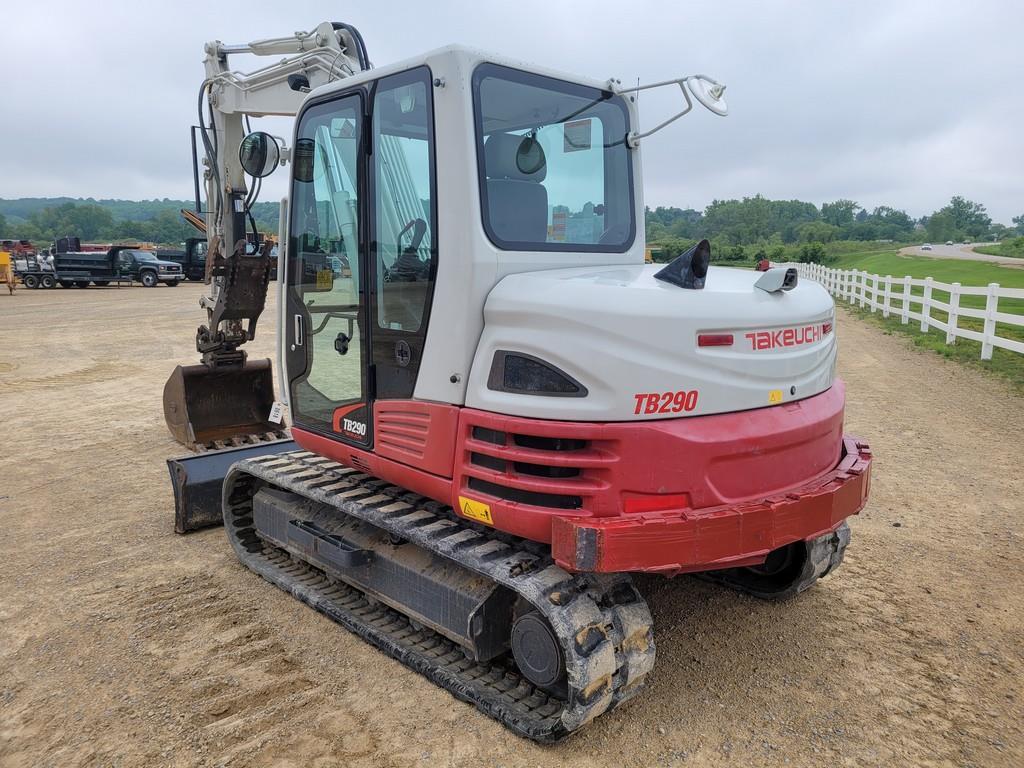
(124, 644)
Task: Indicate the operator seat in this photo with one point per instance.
(517, 202)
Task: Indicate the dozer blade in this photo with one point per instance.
(204, 405)
(197, 480)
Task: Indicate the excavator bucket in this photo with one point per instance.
(213, 407)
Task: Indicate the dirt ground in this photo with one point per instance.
(124, 644)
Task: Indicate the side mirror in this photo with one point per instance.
(259, 154)
(710, 94)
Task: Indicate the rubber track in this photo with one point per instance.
(603, 624)
(824, 555)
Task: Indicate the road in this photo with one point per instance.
(122, 644)
(963, 252)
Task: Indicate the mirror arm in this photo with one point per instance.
(633, 139)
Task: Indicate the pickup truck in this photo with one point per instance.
(119, 263)
(192, 259)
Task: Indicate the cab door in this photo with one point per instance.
(403, 249)
(326, 339)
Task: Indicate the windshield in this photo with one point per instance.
(555, 172)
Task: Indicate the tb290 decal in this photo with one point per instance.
(350, 421)
(665, 402)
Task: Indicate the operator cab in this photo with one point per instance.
(382, 181)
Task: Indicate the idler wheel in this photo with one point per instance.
(537, 652)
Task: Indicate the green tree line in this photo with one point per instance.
(739, 229)
(758, 227)
(42, 220)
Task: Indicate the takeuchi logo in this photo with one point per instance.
(789, 337)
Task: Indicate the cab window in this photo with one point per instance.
(555, 171)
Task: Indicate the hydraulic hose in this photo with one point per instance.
(361, 55)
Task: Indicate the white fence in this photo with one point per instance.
(894, 296)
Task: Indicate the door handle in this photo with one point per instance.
(299, 335)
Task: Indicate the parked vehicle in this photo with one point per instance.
(926, 247)
(35, 270)
(7, 271)
(192, 259)
(122, 263)
(473, 494)
(17, 248)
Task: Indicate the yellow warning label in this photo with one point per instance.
(775, 396)
(324, 279)
(476, 510)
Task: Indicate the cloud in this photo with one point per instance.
(900, 104)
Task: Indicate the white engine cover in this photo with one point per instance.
(632, 341)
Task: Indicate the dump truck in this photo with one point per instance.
(119, 263)
(502, 413)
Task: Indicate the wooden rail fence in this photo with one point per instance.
(896, 296)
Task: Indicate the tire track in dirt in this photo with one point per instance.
(246, 686)
(98, 371)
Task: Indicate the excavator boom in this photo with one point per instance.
(226, 399)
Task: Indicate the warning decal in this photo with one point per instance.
(475, 510)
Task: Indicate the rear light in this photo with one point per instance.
(714, 340)
(654, 502)
(826, 328)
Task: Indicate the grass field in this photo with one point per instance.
(1014, 248)
(1004, 363)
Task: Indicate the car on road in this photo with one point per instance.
(949, 242)
(926, 247)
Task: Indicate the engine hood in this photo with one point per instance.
(631, 341)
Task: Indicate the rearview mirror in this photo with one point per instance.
(259, 154)
(710, 94)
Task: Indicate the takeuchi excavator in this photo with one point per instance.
(499, 411)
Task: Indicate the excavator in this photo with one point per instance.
(499, 412)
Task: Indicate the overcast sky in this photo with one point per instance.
(888, 103)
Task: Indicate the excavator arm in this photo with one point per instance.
(226, 399)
